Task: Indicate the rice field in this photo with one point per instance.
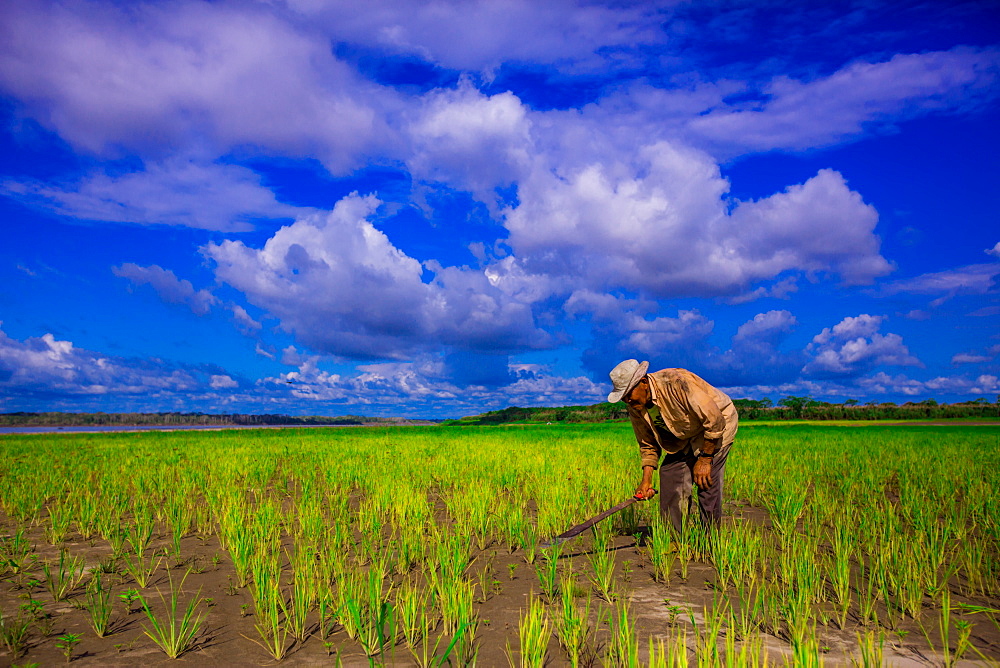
(423, 546)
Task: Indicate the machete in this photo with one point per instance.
(583, 526)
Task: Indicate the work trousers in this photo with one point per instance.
(675, 487)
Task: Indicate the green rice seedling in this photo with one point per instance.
(61, 580)
(99, 605)
(411, 603)
(904, 580)
(408, 541)
(511, 526)
(671, 653)
(623, 649)
(871, 646)
(707, 635)
(785, 505)
(15, 553)
(375, 622)
(172, 634)
(603, 576)
(945, 623)
(658, 654)
(350, 589)
(735, 550)
(24, 502)
(452, 553)
(868, 596)
(85, 514)
(802, 586)
(527, 540)
(747, 621)
(454, 600)
(60, 517)
(141, 568)
(299, 604)
(110, 527)
(772, 612)
(464, 645)
(179, 516)
(534, 632)
(548, 571)
(427, 655)
(748, 654)
(274, 634)
(327, 612)
(806, 651)
(140, 533)
(471, 509)
(304, 591)
(627, 521)
(971, 559)
(241, 552)
(572, 627)
(420, 644)
(684, 552)
(661, 551)
(602, 562)
(840, 571)
(485, 577)
(14, 633)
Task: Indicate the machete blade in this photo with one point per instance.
(583, 526)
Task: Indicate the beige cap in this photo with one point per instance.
(624, 377)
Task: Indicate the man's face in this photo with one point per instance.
(640, 396)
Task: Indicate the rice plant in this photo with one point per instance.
(99, 605)
(572, 626)
(534, 632)
(174, 630)
(623, 649)
(64, 577)
(14, 633)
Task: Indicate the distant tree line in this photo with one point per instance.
(807, 408)
(789, 408)
(23, 419)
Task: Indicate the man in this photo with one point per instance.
(678, 416)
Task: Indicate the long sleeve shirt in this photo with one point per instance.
(686, 410)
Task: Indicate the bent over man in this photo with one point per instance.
(685, 427)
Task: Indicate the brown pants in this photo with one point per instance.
(675, 488)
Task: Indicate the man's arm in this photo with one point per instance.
(702, 472)
(714, 424)
(649, 452)
(645, 488)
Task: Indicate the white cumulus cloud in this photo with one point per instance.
(341, 287)
(854, 346)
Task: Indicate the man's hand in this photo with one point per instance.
(645, 489)
(703, 472)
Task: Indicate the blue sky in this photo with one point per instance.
(440, 208)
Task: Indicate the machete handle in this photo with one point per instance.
(637, 496)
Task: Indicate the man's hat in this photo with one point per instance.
(624, 377)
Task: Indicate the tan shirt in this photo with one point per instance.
(689, 411)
